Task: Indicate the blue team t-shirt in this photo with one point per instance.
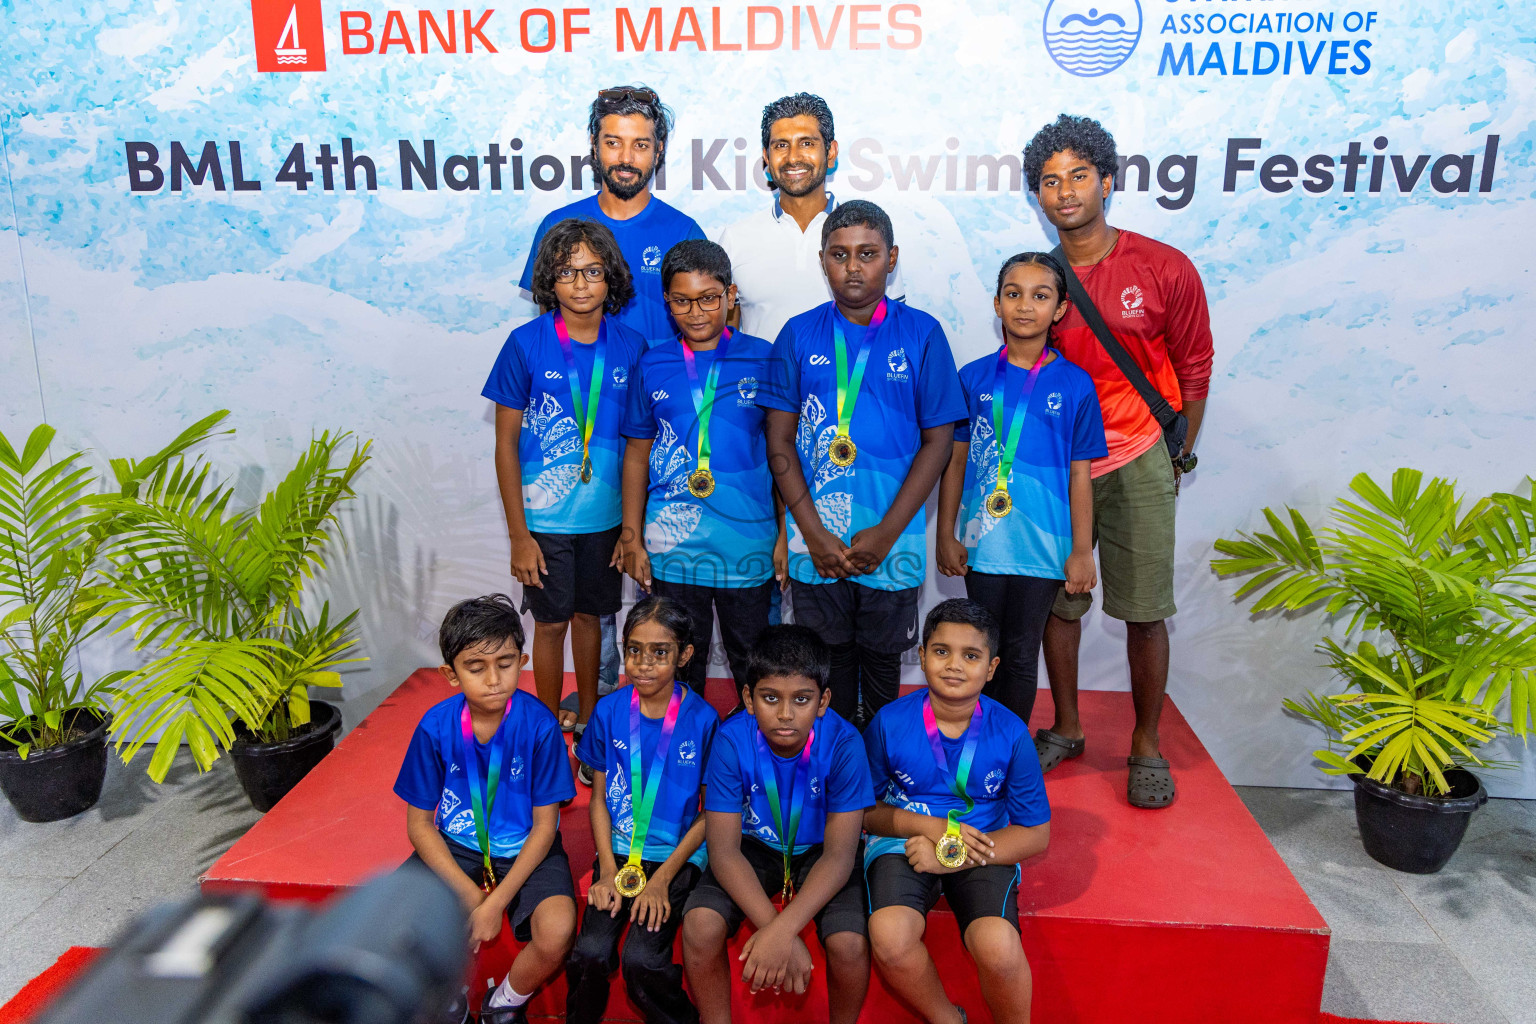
(1005, 779)
(909, 385)
(535, 773)
(1063, 423)
(725, 539)
(644, 240)
(530, 374)
(838, 776)
(605, 747)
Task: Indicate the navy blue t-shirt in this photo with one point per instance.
(530, 375)
(605, 747)
(644, 240)
(909, 385)
(1062, 424)
(725, 539)
(535, 773)
(838, 774)
(1005, 779)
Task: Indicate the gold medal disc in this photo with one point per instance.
(999, 504)
(586, 469)
(701, 483)
(630, 880)
(951, 850)
(842, 451)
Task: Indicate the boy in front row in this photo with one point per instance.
(962, 803)
(785, 792)
(483, 780)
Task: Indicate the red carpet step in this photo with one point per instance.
(1178, 916)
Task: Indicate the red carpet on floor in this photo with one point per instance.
(42, 988)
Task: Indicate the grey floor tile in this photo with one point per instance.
(19, 896)
(1404, 981)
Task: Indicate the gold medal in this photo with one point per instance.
(786, 894)
(951, 850)
(490, 880)
(586, 469)
(842, 450)
(701, 483)
(999, 503)
(630, 880)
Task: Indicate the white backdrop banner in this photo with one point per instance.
(314, 213)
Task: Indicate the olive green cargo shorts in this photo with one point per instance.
(1133, 530)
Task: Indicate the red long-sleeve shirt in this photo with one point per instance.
(1152, 298)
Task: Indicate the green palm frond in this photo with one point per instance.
(1439, 606)
(219, 589)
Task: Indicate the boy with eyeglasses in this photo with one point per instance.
(696, 479)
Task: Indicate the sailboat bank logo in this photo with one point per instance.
(290, 35)
(1089, 38)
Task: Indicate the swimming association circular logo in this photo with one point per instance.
(1089, 38)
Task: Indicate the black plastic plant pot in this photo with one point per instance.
(1416, 834)
(62, 781)
(267, 771)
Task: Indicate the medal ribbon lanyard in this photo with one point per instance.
(786, 831)
(1016, 421)
(641, 805)
(848, 387)
(962, 775)
(585, 412)
(482, 797)
(704, 398)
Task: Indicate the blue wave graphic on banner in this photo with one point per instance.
(1095, 42)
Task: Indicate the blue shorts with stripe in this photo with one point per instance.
(989, 891)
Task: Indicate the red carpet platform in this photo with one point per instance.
(1180, 916)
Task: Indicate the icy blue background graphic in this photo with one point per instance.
(1353, 331)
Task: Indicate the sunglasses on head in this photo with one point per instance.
(620, 95)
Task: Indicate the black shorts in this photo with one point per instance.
(845, 612)
(551, 878)
(989, 891)
(844, 912)
(580, 580)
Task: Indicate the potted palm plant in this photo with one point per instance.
(1437, 654)
(217, 593)
(53, 528)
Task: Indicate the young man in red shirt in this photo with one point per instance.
(1153, 302)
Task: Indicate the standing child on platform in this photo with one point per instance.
(1020, 470)
(483, 780)
(560, 385)
(786, 789)
(862, 401)
(699, 519)
(962, 802)
(647, 745)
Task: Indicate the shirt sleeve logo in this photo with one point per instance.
(620, 377)
(1132, 299)
(1053, 403)
(650, 259)
(659, 396)
(746, 388)
(820, 360)
(994, 781)
(897, 361)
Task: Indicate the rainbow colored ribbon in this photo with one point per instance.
(585, 413)
(704, 398)
(642, 804)
(962, 775)
(1020, 410)
(848, 387)
(482, 797)
(796, 801)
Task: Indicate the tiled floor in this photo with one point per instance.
(1458, 947)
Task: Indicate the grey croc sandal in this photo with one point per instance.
(1150, 783)
(1054, 748)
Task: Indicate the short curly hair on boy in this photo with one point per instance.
(555, 251)
(1068, 134)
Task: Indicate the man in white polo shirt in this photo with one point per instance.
(776, 252)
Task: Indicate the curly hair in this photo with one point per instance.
(657, 112)
(1081, 135)
(555, 255)
(1034, 259)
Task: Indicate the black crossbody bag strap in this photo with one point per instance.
(1175, 426)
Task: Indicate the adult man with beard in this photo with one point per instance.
(628, 127)
(776, 252)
